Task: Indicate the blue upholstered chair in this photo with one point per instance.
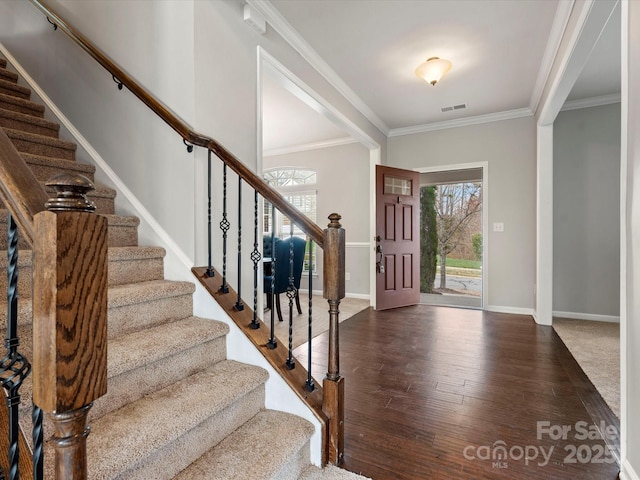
(282, 254)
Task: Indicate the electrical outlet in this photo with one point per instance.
(347, 276)
(498, 227)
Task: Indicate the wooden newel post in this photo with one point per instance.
(70, 318)
(333, 384)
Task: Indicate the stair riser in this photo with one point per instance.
(175, 457)
(21, 107)
(296, 465)
(44, 150)
(121, 236)
(132, 271)
(133, 385)
(118, 236)
(8, 75)
(14, 90)
(120, 272)
(132, 318)
(45, 172)
(26, 126)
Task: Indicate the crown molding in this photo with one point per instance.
(560, 21)
(300, 45)
(462, 122)
(308, 146)
(591, 102)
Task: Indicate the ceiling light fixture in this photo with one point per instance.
(433, 69)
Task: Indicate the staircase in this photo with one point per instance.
(175, 407)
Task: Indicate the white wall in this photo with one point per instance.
(586, 224)
(509, 148)
(342, 172)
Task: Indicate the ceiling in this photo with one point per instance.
(369, 49)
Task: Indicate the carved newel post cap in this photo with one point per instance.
(71, 193)
(335, 220)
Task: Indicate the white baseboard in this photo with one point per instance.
(513, 310)
(627, 472)
(587, 316)
(361, 296)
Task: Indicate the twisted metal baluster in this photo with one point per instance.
(291, 294)
(239, 305)
(14, 368)
(209, 272)
(273, 343)
(38, 443)
(255, 258)
(224, 226)
(310, 384)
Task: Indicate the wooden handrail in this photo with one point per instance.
(20, 190)
(181, 127)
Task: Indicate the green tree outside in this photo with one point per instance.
(428, 238)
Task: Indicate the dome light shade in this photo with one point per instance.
(433, 69)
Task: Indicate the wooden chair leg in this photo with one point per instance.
(298, 303)
(278, 307)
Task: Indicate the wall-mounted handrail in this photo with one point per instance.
(181, 127)
(20, 190)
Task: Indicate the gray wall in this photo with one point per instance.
(630, 321)
(586, 205)
(153, 41)
(509, 149)
(343, 187)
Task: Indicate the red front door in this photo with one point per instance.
(397, 237)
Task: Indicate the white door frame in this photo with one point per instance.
(485, 215)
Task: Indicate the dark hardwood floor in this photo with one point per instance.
(433, 392)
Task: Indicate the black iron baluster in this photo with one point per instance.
(291, 294)
(224, 226)
(239, 305)
(14, 368)
(255, 258)
(273, 343)
(209, 272)
(38, 443)
(310, 384)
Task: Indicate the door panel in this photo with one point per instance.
(397, 240)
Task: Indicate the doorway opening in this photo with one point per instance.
(451, 237)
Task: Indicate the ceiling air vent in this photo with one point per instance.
(454, 107)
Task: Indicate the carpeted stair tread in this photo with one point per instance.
(259, 449)
(40, 145)
(9, 102)
(146, 361)
(136, 306)
(46, 167)
(132, 434)
(8, 75)
(329, 473)
(123, 231)
(137, 349)
(132, 293)
(126, 265)
(13, 89)
(28, 123)
(135, 264)
(3, 63)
